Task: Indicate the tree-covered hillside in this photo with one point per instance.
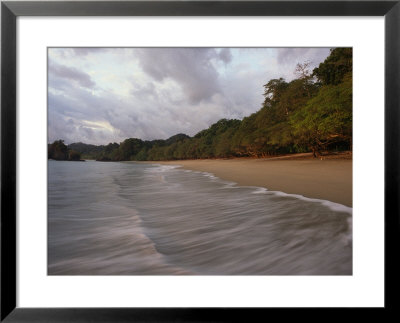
(310, 113)
(59, 151)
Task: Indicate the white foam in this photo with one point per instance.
(331, 205)
(263, 190)
(260, 190)
(228, 184)
(161, 168)
(209, 175)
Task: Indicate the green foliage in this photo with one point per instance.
(142, 154)
(129, 147)
(335, 67)
(326, 118)
(310, 113)
(177, 138)
(74, 155)
(87, 151)
(58, 150)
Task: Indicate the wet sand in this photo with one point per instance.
(328, 179)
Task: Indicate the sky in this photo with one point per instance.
(103, 95)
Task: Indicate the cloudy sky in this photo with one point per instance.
(102, 95)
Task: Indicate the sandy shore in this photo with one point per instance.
(329, 179)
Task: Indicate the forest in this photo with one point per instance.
(58, 150)
(311, 113)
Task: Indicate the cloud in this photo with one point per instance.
(191, 68)
(225, 55)
(84, 51)
(72, 74)
(101, 96)
(299, 55)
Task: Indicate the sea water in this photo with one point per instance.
(127, 218)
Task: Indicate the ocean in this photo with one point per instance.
(128, 218)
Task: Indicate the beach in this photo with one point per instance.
(327, 178)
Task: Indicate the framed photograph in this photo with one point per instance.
(198, 161)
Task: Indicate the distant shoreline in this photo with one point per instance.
(328, 177)
(73, 160)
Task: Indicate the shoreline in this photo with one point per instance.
(326, 179)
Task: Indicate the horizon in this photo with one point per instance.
(81, 142)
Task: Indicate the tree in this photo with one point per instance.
(129, 148)
(273, 90)
(325, 119)
(305, 76)
(58, 150)
(302, 70)
(74, 155)
(335, 67)
(311, 112)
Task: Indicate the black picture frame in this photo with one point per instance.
(10, 10)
